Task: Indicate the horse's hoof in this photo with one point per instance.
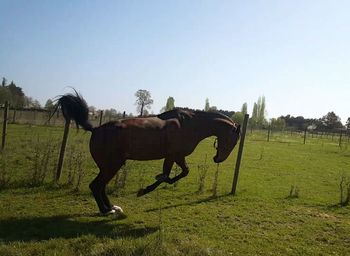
(117, 208)
(141, 192)
(112, 211)
(120, 215)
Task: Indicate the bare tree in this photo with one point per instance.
(143, 101)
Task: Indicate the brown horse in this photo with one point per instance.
(172, 135)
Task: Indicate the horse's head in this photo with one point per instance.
(227, 137)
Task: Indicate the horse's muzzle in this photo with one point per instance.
(216, 159)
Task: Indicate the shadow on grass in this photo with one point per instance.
(45, 228)
(204, 200)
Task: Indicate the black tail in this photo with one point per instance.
(75, 107)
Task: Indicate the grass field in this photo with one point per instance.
(264, 218)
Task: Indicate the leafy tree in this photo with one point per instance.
(258, 118)
(261, 111)
(300, 123)
(244, 109)
(145, 112)
(238, 117)
(170, 104)
(254, 119)
(331, 121)
(347, 125)
(49, 105)
(213, 109)
(36, 104)
(4, 82)
(29, 102)
(207, 106)
(17, 95)
(5, 94)
(278, 123)
(112, 113)
(92, 110)
(143, 101)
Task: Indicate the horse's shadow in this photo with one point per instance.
(66, 226)
(191, 203)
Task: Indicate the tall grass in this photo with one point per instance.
(75, 165)
(344, 187)
(202, 173)
(41, 161)
(4, 175)
(215, 182)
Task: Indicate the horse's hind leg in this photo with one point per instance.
(98, 187)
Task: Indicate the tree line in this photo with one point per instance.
(16, 97)
(258, 118)
(14, 94)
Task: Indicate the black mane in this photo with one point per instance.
(179, 114)
(182, 115)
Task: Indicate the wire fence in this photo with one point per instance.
(336, 137)
(42, 117)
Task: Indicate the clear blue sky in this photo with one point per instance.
(296, 53)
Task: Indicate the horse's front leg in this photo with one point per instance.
(163, 177)
(182, 163)
(167, 166)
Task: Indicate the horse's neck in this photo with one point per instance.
(207, 128)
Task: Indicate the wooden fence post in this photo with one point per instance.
(340, 137)
(63, 149)
(14, 116)
(124, 114)
(4, 125)
(268, 133)
(239, 155)
(101, 116)
(305, 135)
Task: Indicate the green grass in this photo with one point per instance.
(177, 220)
